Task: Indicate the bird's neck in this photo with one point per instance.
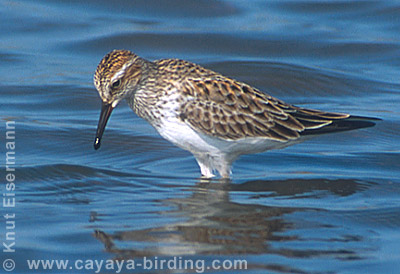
(144, 98)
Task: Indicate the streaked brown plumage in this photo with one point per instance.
(214, 117)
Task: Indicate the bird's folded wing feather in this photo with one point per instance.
(228, 109)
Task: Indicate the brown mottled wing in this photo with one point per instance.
(228, 109)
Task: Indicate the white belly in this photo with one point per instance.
(183, 136)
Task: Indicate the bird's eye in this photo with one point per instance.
(116, 83)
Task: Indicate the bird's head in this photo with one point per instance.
(116, 78)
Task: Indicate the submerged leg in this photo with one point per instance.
(208, 163)
(224, 169)
(205, 165)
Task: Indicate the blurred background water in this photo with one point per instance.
(330, 205)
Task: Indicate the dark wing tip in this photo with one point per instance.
(349, 123)
(364, 118)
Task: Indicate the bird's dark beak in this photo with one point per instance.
(106, 110)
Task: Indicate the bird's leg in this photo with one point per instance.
(209, 162)
(205, 166)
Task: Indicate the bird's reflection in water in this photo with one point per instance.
(212, 223)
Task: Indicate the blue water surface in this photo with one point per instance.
(328, 205)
